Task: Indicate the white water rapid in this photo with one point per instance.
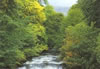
(43, 62)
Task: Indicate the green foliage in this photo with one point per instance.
(81, 45)
(74, 16)
(37, 32)
(49, 10)
(27, 29)
(36, 50)
(91, 9)
(78, 49)
(36, 40)
(53, 28)
(97, 49)
(46, 2)
(10, 42)
(21, 36)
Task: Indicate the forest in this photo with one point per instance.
(28, 29)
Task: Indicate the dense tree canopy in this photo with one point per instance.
(53, 28)
(91, 9)
(74, 16)
(27, 29)
(21, 36)
(80, 49)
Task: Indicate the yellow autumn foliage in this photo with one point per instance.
(34, 8)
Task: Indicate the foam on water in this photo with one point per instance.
(43, 62)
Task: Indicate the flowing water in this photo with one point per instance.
(43, 62)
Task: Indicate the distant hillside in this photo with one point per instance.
(62, 9)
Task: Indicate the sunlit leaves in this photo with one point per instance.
(35, 9)
(36, 30)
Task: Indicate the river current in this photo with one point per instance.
(43, 62)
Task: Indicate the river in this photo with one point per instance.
(43, 62)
